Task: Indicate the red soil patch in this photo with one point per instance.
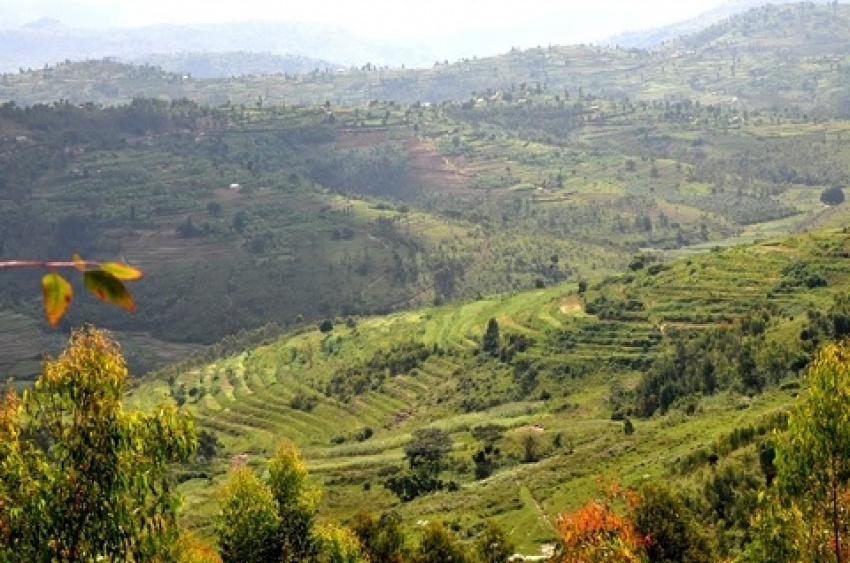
(434, 171)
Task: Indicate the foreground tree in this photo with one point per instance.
(296, 503)
(270, 520)
(338, 545)
(249, 522)
(81, 479)
(805, 516)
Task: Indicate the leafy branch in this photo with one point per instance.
(104, 280)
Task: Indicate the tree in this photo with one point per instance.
(485, 459)
(382, 539)
(439, 546)
(338, 545)
(214, 209)
(813, 463)
(270, 520)
(582, 287)
(492, 342)
(208, 445)
(493, 546)
(248, 524)
(425, 452)
(296, 503)
(832, 196)
(672, 530)
(597, 533)
(767, 458)
(81, 479)
(530, 449)
(780, 533)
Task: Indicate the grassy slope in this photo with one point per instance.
(248, 396)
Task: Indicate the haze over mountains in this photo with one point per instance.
(45, 32)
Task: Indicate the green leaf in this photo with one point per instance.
(107, 287)
(57, 296)
(121, 271)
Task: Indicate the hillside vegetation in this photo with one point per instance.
(363, 209)
(569, 366)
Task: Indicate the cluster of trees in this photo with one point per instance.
(741, 356)
(378, 170)
(426, 456)
(362, 377)
(274, 519)
(708, 362)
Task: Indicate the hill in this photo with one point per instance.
(731, 62)
(570, 365)
(654, 38)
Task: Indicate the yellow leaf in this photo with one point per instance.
(79, 263)
(57, 296)
(107, 287)
(121, 271)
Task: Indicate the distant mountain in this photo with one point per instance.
(47, 42)
(653, 37)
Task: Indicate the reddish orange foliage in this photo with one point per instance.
(596, 533)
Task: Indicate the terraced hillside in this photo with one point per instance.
(353, 396)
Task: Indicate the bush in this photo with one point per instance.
(304, 402)
(675, 535)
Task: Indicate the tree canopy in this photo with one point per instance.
(81, 479)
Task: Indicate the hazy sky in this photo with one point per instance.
(380, 19)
